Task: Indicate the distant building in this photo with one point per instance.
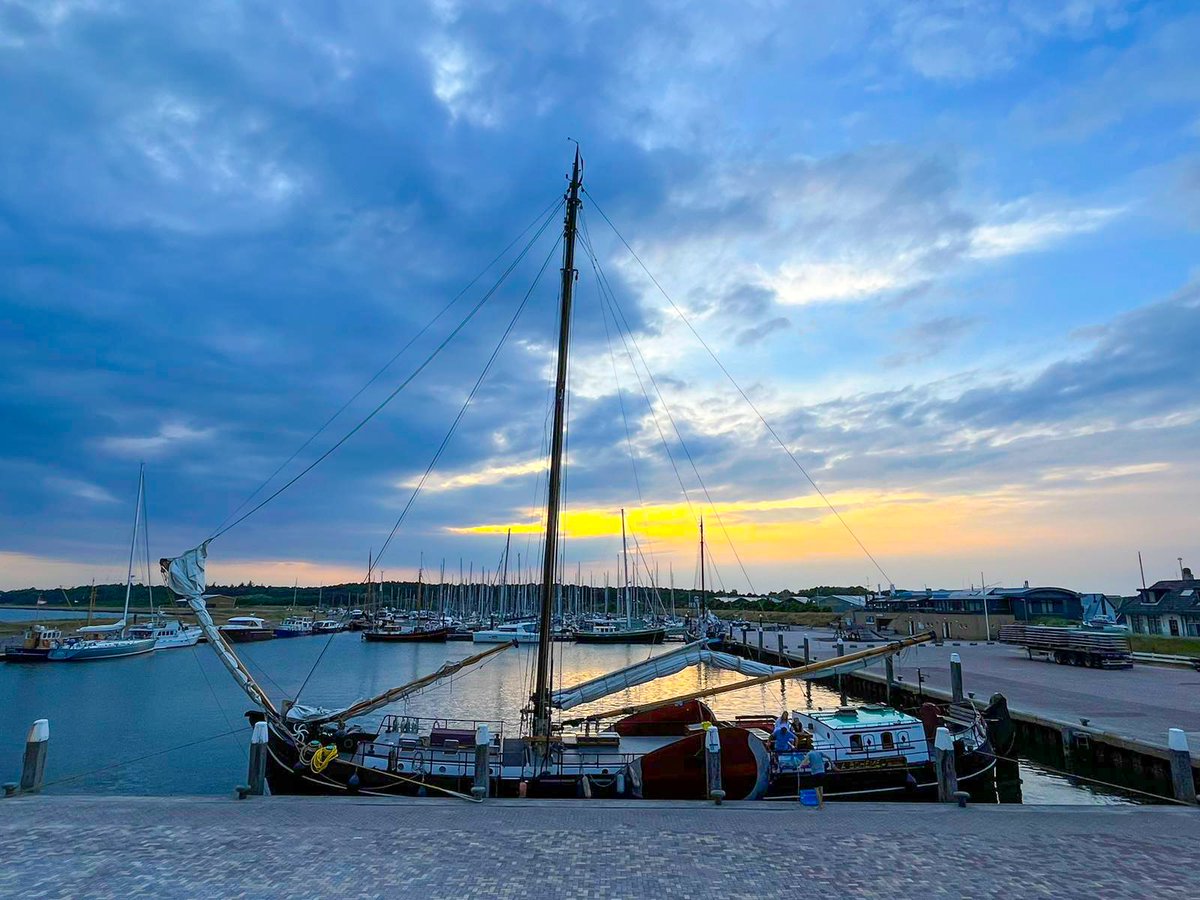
(1169, 608)
(960, 614)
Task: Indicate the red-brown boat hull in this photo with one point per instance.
(678, 770)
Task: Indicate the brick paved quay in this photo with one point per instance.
(1135, 705)
(432, 849)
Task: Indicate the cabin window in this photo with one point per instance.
(886, 740)
(903, 738)
(856, 743)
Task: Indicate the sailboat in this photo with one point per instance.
(109, 641)
(655, 751)
(628, 631)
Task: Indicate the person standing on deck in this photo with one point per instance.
(783, 736)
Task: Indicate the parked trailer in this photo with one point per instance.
(1072, 646)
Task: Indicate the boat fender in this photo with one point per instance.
(352, 782)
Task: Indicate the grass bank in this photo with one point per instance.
(1156, 643)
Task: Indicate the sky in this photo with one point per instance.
(947, 250)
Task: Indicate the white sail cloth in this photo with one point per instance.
(657, 667)
(185, 576)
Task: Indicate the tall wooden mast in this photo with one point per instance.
(541, 691)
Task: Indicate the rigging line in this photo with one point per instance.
(612, 357)
(390, 397)
(739, 389)
(645, 394)
(548, 211)
(314, 668)
(471, 396)
(612, 299)
(137, 759)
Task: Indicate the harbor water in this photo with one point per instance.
(171, 722)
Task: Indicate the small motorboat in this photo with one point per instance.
(295, 626)
(243, 629)
(327, 626)
(521, 632)
(35, 645)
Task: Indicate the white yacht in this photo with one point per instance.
(167, 633)
(521, 632)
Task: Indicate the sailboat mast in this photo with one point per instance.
(137, 518)
(541, 691)
(703, 605)
(625, 562)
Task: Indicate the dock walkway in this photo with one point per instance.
(433, 849)
(1135, 705)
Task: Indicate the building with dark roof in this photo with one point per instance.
(1169, 608)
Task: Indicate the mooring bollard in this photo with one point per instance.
(712, 759)
(956, 691)
(841, 651)
(1182, 782)
(256, 776)
(943, 760)
(483, 743)
(37, 743)
(889, 671)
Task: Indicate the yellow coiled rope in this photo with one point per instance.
(323, 757)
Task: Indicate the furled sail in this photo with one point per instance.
(185, 576)
(652, 669)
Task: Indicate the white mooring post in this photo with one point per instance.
(943, 760)
(712, 759)
(1182, 783)
(256, 776)
(956, 690)
(37, 743)
(483, 742)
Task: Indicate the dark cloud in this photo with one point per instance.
(749, 336)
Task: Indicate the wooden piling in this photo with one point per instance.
(37, 743)
(482, 782)
(807, 658)
(1182, 783)
(779, 643)
(889, 671)
(841, 679)
(712, 760)
(956, 682)
(256, 776)
(943, 760)
(760, 642)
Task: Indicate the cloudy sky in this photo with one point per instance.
(948, 249)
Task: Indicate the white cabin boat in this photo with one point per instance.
(521, 632)
(167, 633)
(295, 626)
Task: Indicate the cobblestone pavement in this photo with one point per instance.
(191, 847)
